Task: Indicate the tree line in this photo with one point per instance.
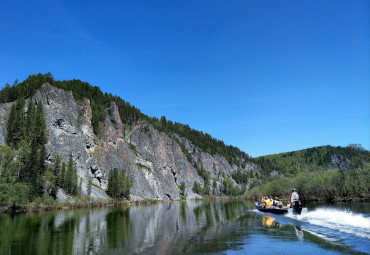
(291, 163)
(202, 140)
(129, 114)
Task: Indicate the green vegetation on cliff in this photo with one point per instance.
(27, 134)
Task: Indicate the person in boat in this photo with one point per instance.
(278, 202)
(272, 201)
(263, 202)
(294, 198)
(268, 202)
(288, 203)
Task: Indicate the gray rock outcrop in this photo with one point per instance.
(153, 160)
(338, 162)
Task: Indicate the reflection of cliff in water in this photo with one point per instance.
(164, 228)
(191, 227)
(180, 227)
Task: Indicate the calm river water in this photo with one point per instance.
(192, 227)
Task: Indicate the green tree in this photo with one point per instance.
(57, 169)
(16, 124)
(50, 184)
(70, 182)
(214, 185)
(119, 184)
(17, 193)
(7, 165)
(63, 176)
(30, 119)
(23, 158)
(39, 131)
(197, 188)
(182, 188)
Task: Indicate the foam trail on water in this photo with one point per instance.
(341, 220)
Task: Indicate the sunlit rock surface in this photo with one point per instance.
(153, 160)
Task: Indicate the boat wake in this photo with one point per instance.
(340, 220)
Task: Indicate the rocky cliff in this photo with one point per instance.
(154, 161)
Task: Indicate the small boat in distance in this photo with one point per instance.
(296, 209)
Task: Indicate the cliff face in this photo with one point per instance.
(153, 160)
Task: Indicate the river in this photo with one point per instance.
(193, 227)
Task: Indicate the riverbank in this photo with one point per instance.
(70, 206)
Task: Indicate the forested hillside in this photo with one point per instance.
(292, 163)
(319, 173)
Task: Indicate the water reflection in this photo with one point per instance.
(268, 221)
(298, 232)
(167, 228)
(192, 227)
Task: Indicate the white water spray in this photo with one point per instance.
(341, 220)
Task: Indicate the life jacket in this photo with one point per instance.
(268, 202)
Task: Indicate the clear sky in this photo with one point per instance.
(265, 76)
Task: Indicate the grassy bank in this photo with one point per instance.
(72, 204)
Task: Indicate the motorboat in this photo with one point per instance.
(296, 209)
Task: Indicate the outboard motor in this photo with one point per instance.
(297, 207)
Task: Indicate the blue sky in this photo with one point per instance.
(265, 76)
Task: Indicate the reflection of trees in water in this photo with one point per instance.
(213, 219)
(36, 233)
(183, 211)
(119, 227)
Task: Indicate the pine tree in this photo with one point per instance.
(49, 184)
(38, 151)
(112, 189)
(62, 181)
(10, 125)
(71, 177)
(16, 124)
(4, 93)
(119, 184)
(68, 176)
(40, 125)
(30, 119)
(33, 168)
(75, 189)
(57, 169)
(23, 157)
